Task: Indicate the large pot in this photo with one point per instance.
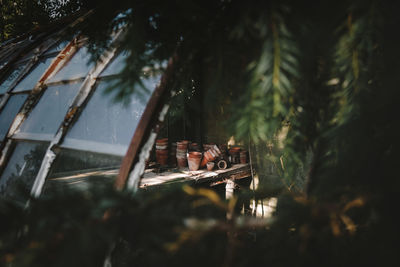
(194, 160)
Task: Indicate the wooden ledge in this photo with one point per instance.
(237, 171)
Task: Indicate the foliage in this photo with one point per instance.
(21, 16)
(324, 74)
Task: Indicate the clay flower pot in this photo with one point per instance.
(162, 143)
(210, 166)
(194, 160)
(206, 147)
(222, 164)
(234, 154)
(182, 145)
(210, 155)
(162, 157)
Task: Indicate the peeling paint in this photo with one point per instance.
(41, 176)
(138, 170)
(72, 113)
(136, 173)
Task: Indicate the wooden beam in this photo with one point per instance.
(148, 121)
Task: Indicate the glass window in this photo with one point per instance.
(33, 77)
(57, 47)
(77, 67)
(116, 65)
(105, 126)
(10, 79)
(45, 119)
(80, 169)
(69, 162)
(11, 109)
(22, 168)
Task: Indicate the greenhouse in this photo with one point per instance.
(199, 133)
(61, 124)
(56, 119)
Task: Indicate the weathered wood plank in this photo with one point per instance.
(238, 171)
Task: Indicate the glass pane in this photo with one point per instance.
(45, 119)
(79, 169)
(105, 126)
(11, 78)
(11, 109)
(116, 65)
(77, 67)
(57, 47)
(33, 77)
(22, 168)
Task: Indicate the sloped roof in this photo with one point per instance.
(54, 116)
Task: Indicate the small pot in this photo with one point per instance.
(210, 166)
(222, 164)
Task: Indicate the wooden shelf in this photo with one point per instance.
(237, 171)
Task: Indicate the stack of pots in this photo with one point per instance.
(234, 155)
(162, 151)
(194, 159)
(210, 155)
(243, 156)
(181, 150)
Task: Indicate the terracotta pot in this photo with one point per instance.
(183, 143)
(210, 166)
(195, 154)
(210, 155)
(181, 146)
(234, 153)
(162, 144)
(181, 154)
(206, 147)
(222, 164)
(194, 160)
(161, 147)
(162, 157)
(181, 150)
